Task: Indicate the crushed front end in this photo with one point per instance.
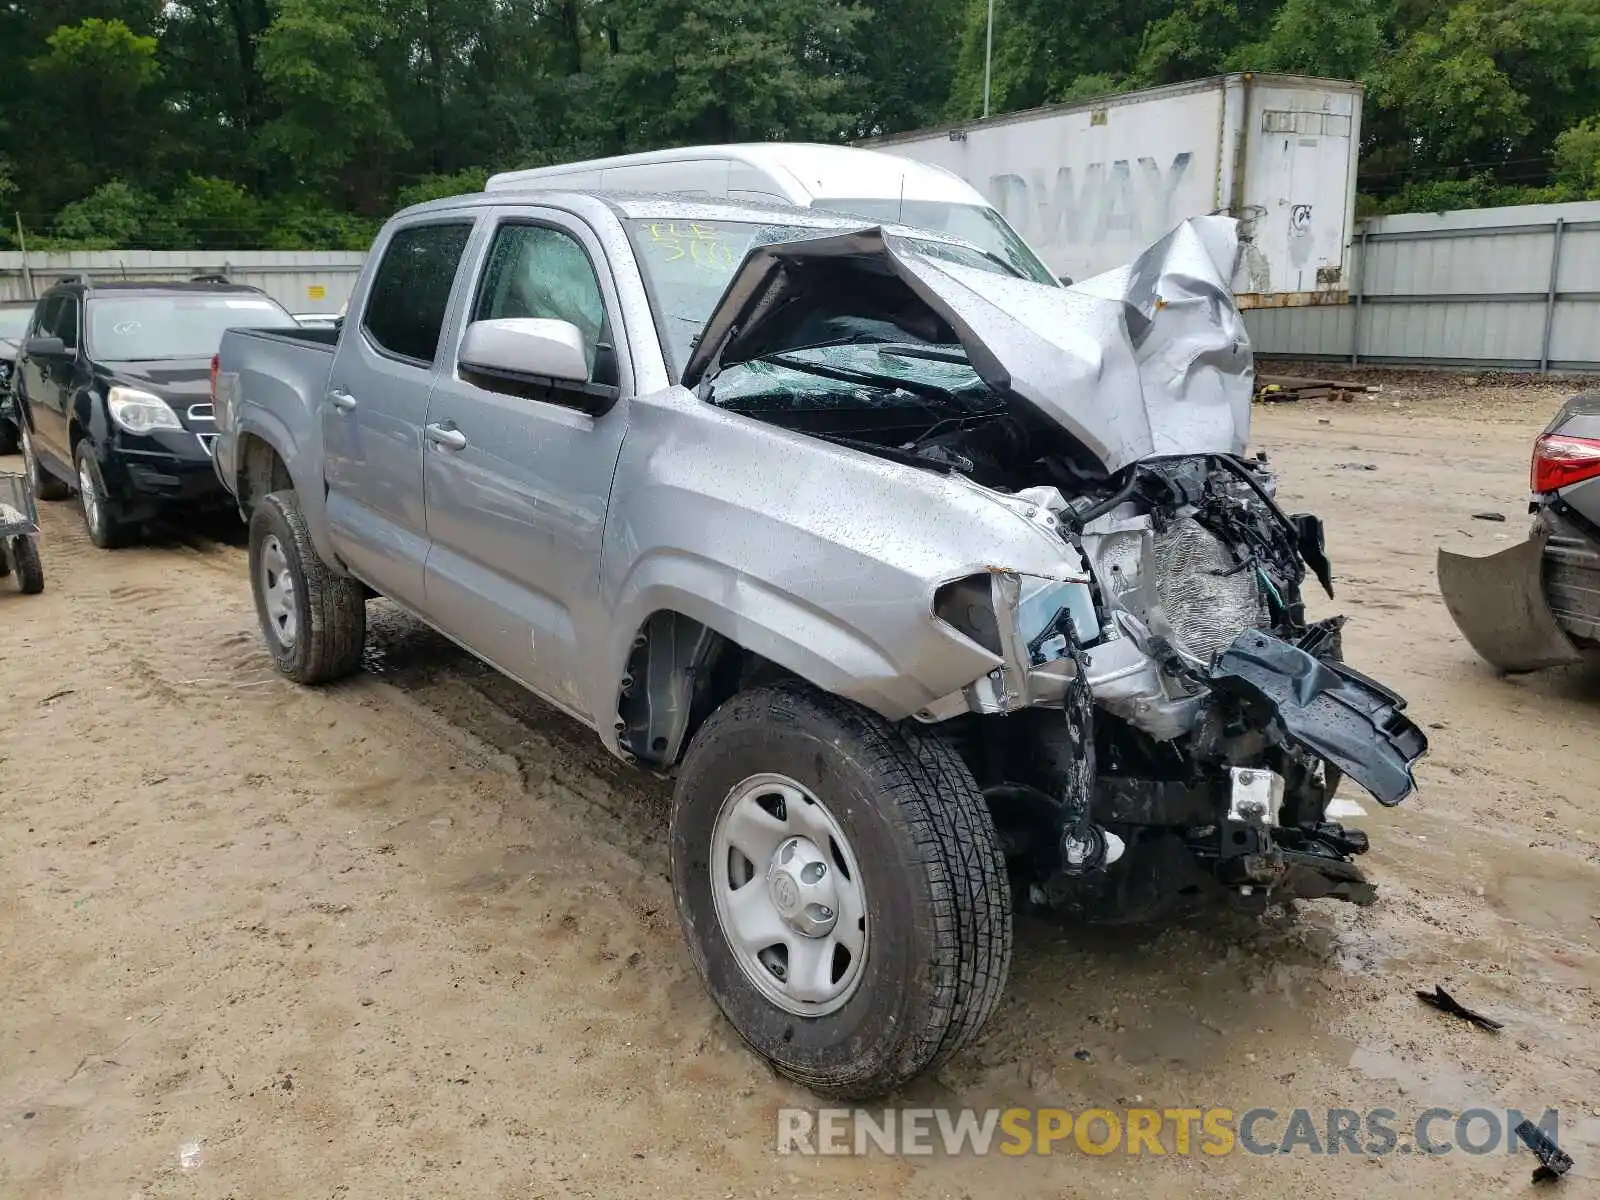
(1166, 722)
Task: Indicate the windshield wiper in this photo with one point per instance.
(893, 453)
(931, 353)
(926, 391)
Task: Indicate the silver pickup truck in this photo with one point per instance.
(934, 589)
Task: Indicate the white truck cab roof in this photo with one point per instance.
(841, 179)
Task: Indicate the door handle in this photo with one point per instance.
(343, 401)
(445, 436)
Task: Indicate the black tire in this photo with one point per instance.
(25, 558)
(330, 611)
(933, 873)
(102, 518)
(45, 485)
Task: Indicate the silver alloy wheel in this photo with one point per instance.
(277, 591)
(89, 498)
(789, 895)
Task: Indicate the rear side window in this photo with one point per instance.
(411, 289)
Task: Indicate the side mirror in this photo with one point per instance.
(44, 347)
(527, 346)
(535, 357)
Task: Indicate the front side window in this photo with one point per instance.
(51, 309)
(411, 289)
(67, 322)
(537, 271)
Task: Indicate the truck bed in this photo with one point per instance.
(284, 371)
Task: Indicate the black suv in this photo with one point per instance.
(113, 392)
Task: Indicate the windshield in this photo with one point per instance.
(14, 322)
(688, 265)
(143, 328)
(975, 223)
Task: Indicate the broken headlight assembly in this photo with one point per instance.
(1031, 623)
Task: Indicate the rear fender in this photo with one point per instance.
(1498, 603)
(261, 424)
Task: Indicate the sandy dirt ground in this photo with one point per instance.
(412, 935)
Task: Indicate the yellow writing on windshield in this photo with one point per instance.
(701, 244)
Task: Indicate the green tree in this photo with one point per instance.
(1577, 159)
(1340, 39)
(438, 187)
(1492, 82)
(1197, 38)
(113, 215)
(335, 128)
(96, 74)
(688, 71)
(205, 213)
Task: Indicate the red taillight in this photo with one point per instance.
(1560, 460)
(215, 359)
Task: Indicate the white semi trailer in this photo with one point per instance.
(1090, 184)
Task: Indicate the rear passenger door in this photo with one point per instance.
(518, 482)
(376, 400)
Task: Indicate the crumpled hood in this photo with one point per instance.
(1149, 360)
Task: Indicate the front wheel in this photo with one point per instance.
(314, 622)
(101, 515)
(841, 889)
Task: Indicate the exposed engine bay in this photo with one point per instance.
(1163, 720)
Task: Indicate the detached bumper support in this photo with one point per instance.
(1325, 707)
(1498, 602)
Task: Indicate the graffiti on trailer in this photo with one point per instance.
(1118, 201)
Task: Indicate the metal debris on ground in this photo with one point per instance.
(1488, 516)
(1357, 466)
(1445, 1002)
(1554, 1162)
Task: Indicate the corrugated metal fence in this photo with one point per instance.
(1513, 288)
(303, 281)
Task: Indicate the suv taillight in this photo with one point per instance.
(1560, 460)
(215, 359)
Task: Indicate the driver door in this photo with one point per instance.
(516, 485)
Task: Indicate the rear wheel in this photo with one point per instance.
(841, 889)
(314, 622)
(102, 517)
(45, 485)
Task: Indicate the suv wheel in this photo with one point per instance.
(314, 622)
(841, 889)
(45, 485)
(101, 515)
